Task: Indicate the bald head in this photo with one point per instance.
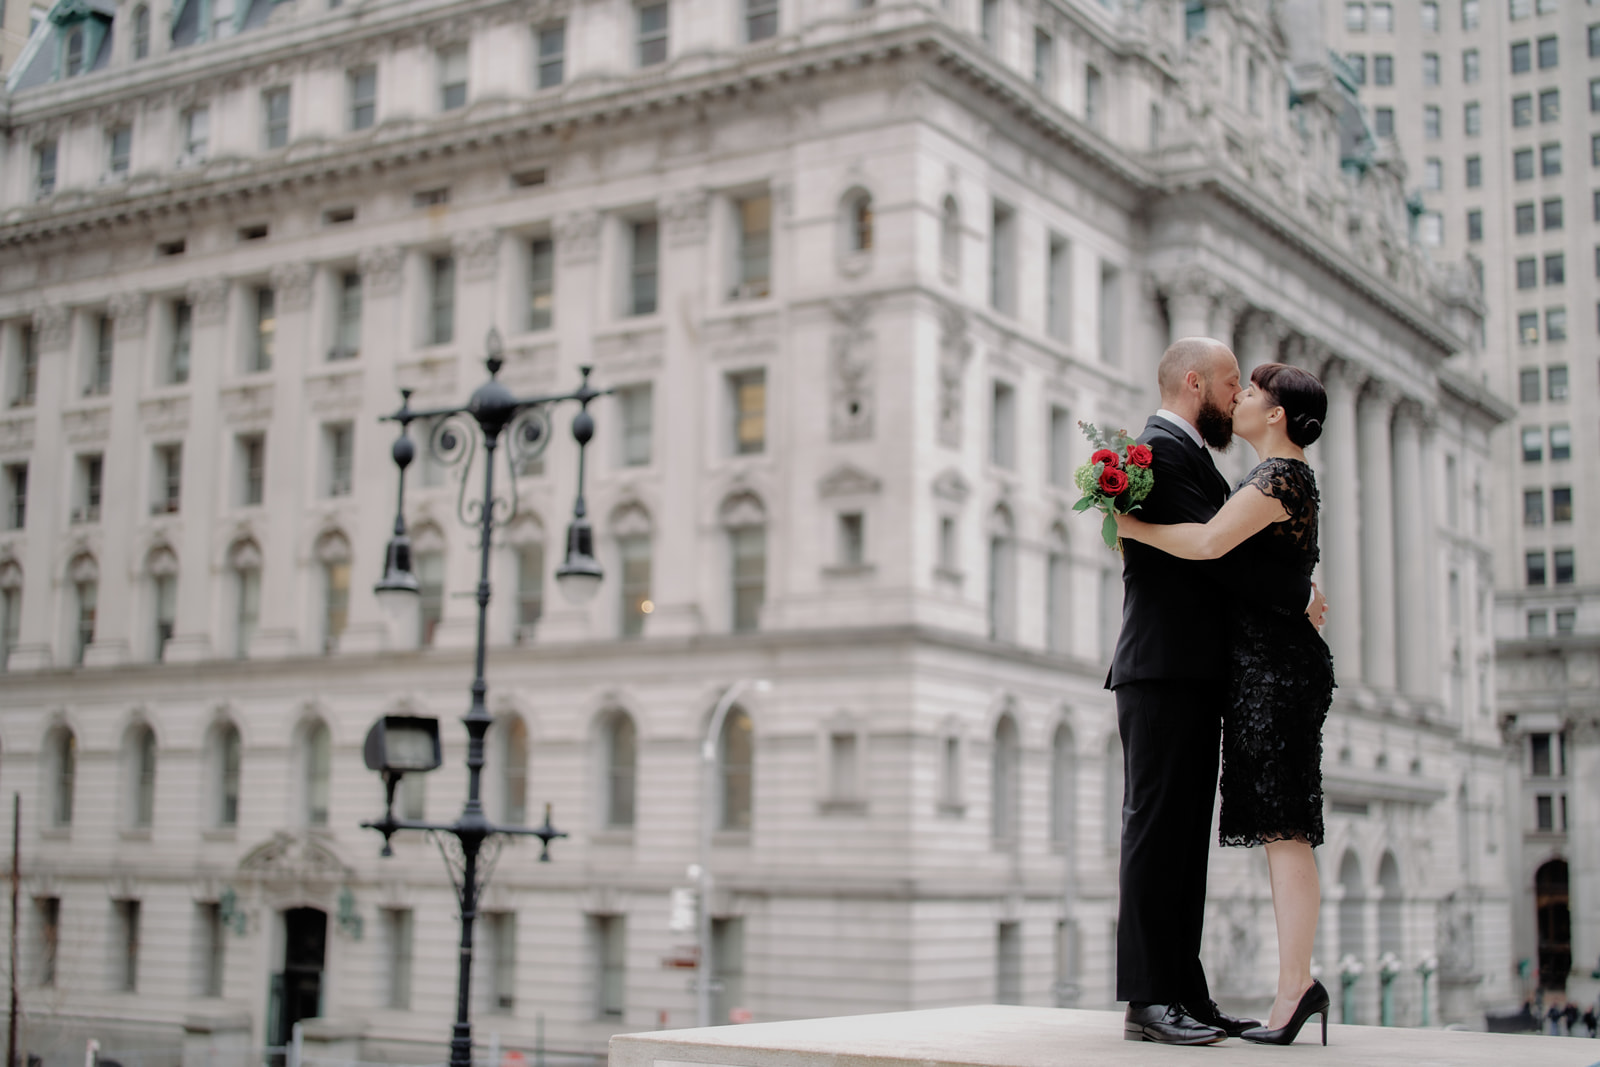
(1203, 356)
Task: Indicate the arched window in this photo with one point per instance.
(333, 552)
(161, 569)
(631, 527)
(316, 761)
(1352, 907)
(1063, 786)
(139, 775)
(1553, 912)
(526, 541)
(1115, 774)
(1005, 776)
(1391, 915)
(514, 770)
(10, 608)
(1002, 576)
(244, 561)
(1058, 592)
(141, 32)
(734, 753)
(950, 240)
(857, 206)
(61, 774)
(224, 757)
(84, 576)
(621, 763)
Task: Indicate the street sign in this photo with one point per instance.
(683, 912)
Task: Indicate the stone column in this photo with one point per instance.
(49, 477)
(1190, 296)
(1227, 308)
(1263, 332)
(209, 353)
(1583, 802)
(1413, 617)
(1341, 521)
(1377, 536)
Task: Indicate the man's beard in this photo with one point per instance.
(1215, 425)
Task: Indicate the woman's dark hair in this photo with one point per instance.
(1299, 394)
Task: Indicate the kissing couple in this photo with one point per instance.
(1220, 649)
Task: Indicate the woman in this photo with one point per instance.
(1280, 675)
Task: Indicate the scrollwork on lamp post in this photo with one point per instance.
(398, 745)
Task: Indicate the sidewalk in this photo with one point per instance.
(993, 1035)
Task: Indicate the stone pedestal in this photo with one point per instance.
(216, 1038)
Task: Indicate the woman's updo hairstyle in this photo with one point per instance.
(1299, 394)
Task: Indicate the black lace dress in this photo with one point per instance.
(1280, 680)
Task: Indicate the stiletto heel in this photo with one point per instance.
(1314, 1001)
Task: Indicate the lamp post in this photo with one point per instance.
(708, 769)
(398, 745)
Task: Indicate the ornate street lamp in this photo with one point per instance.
(401, 744)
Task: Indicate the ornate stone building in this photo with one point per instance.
(855, 274)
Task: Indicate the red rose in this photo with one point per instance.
(1113, 481)
(1139, 456)
(1106, 456)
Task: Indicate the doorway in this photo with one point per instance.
(1555, 925)
(298, 988)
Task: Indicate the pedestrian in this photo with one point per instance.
(1591, 1021)
(1553, 1016)
(1570, 1016)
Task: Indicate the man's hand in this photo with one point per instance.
(1317, 612)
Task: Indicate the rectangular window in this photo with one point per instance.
(178, 347)
(1002, 425)
(452, 77)
(211, 944)
(1382, 18)
(1056, 602)
(634, 403)
(397, 927)
(1561, 504)
(1002, 255)
(1061, 439)
(169, 479)
(1548, 52)
(1092, 104)
(552, 55)
(541, 283)
(1544, 813)
(1472, 119)
(246, 621)
(45, 169)
(760, 20)
(634, 551)
(1528, 327)
(727, 961)
(1433, 174)
(1475, 225)
(99, 382)
(338, 442)
(1469, 14)
(652, 34)
(749, 550)
(1470, 67)
(608, 935)
(754, 216)
(1521, 57)
(1521, 9)
(441, 300)
(1527, 272)
(430, 595)
(989, 22)
(1355, 18)
(1535, 567)
(1565, 566)
(1528, 385)
(1044, 50)
(1383, 122)
(1555, 273)
(275, 118)
(1383, 70)
(25, 382)
(502, 931)
(1533, 507)
(1538, 623)
(362, 87)
(530, 588)
(1008, 963)
(852, 539)
(1550, 105)
(1358, 67)
(748, 391)
(1555, 324)
(347, 330)
(1474, 171)
(947, 545)
(1594, 150)
(49, 912)
(1594, 41)
(125, 977)
(1560, 441)
(1558, 381)
(196, 134)
(10, 630)
(1522, 110)
(1566, 621)
(1554, 217)
(1532, 444)
(265, 332)
(119, 150)
(16, 496)
(1058, 289)
(643, 266)
(91, 469)
(1430, 229)
(1194, 19)
(1522, 164)
(1110, 313)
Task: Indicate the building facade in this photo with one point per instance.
(855, 273)
(1493, 108)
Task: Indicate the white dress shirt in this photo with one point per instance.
(1183, 424)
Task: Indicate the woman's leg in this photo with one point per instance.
(1296, 899)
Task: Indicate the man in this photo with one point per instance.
(1169, 675)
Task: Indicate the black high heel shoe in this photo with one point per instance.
(1314, 1001)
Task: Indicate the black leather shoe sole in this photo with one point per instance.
(1199, 1037)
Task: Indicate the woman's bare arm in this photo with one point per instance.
(1247, 512)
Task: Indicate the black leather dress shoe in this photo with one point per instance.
(1211, 1015)
(1168, 1024)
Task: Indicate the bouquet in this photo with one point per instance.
(1116, 478)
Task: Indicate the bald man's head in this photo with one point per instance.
(1204, 356)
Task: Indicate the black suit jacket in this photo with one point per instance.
(1174, 610)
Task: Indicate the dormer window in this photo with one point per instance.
(74, 61)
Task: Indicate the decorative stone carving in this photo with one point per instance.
(630, 519)
(847, 480)
(578, 236)
(209, 298)
(165, 415)
(334, 392)
(478, 252)
(247, 404)
(850, 372)
(1454, 938)
(52, 324)
(955, 351)
(685, 215)
(381, 270)
(16, 434)
(952, 486)
(90, 424)
(290, 858)
(742, 509)
(291, 286)
(129, 313)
